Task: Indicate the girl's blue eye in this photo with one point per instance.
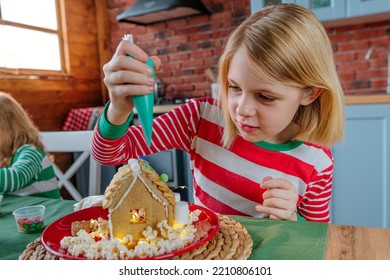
(234, 88)
(266, 98)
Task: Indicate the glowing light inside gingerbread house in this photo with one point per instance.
(137, 216)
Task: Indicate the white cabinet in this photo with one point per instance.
(361, 185)
(258, 4)
(327, 10)
(367, 7)
(323, 9)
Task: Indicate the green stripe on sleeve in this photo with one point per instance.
(110, 131)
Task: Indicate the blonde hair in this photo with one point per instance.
(286, 44)
(16, 129)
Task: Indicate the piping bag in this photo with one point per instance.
(144, 103)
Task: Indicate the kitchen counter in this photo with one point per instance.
(349, 100)
(84, 118)
(161, 109)
(367, 99)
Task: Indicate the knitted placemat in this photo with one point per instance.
(232, 242)
(36, 251)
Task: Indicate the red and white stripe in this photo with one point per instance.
(227, 180)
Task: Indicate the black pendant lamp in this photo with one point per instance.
(146, 12)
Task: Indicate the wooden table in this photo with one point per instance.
(357, 243)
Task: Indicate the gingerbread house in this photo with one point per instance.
(136, 198)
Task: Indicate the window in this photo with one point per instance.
(30, 36)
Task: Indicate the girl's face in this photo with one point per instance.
(261, 111)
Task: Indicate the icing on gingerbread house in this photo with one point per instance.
(136, 198)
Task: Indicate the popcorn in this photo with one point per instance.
(99, 245)
(149, 233)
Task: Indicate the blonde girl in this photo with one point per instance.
(25, 168)
(262, 150)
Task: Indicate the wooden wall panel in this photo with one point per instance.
(49, 98)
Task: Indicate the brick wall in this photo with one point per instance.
(351, 43)
(187, 47)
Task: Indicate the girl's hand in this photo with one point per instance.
(279, 200)
(124, 77)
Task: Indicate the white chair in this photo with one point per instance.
(71, 142)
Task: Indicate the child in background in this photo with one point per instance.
(262, 148)
(25, 167)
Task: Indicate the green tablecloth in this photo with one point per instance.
(272, 240)
(13, 243)
(285, 240)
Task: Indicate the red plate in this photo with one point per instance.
(52, 235)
